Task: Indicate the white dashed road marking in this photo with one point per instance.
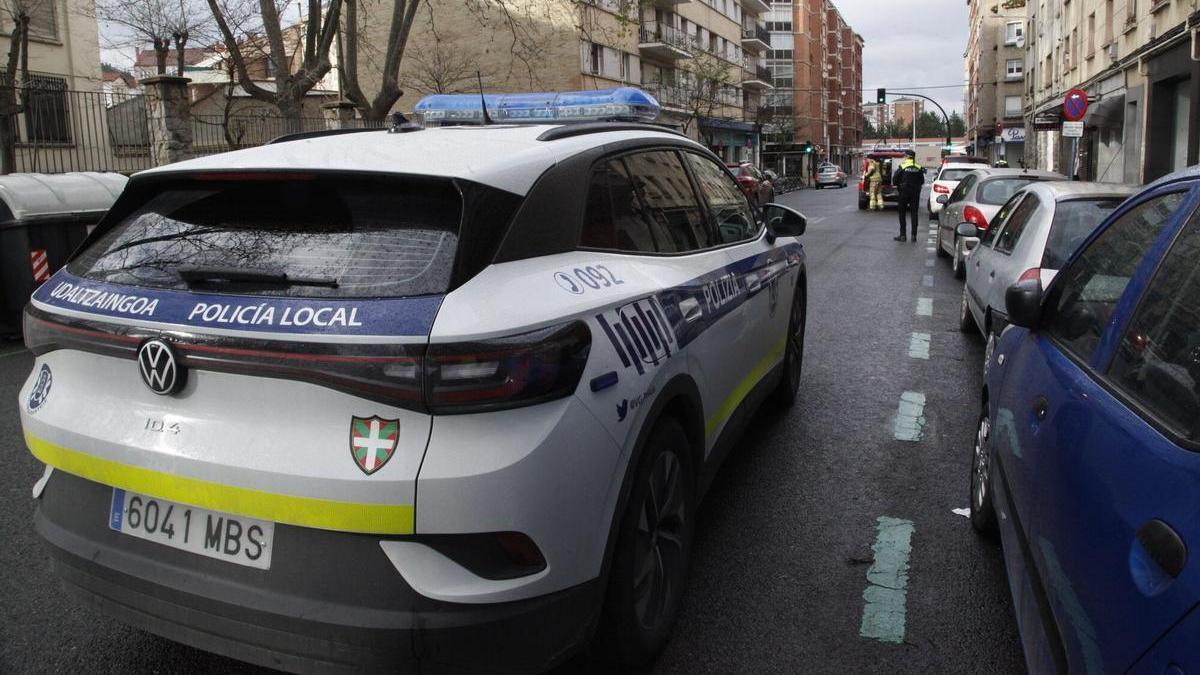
(910, 417)
(918, 345)
(886, 594)
(924, 306)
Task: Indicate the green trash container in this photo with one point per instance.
(43, 218)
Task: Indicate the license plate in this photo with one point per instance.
(243, 541)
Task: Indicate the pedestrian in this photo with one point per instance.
(874, 178)
(908, 180)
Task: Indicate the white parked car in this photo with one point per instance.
(945, 179)
(1031, 237)
(437, 398)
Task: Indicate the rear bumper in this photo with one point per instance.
(331, 601)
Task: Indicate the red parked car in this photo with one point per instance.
(755, 184)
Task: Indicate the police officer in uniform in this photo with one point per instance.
(908, 180)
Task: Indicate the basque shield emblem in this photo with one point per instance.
(373, 442)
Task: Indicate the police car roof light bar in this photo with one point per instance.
(627, 104)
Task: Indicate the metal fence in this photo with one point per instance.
(56, 130)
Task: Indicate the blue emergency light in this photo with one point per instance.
(628, 104)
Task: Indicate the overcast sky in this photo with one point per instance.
(910, 44)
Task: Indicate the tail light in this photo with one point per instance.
(443, 378)
(975, 217)
(1030, 274)
(941, 189)
(506, 372)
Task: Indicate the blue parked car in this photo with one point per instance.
(1087, 454)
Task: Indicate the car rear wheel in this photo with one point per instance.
(650, 563)
(793, 355)
(983, 511)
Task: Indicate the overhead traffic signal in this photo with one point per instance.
(808, 147)
(881, 95)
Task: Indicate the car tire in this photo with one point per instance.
(941, 252)
(650, 562)
(793, 353)
(957, 263)
(966, 322)
(819, 186)
(983, 510)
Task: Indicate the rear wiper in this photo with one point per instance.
(194, 276)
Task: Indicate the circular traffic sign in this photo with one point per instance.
(1075, 105)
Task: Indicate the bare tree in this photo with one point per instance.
(446, 68)
(164, 24)
(261, 32)
(14, 90)
(706, 87)
(401, 15)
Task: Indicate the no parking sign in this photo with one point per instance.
(1075, 105)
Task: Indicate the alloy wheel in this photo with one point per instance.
(981, 465)
(660, 556)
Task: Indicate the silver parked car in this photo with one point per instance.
(830, 175)
(1031, 236)
(975, 200)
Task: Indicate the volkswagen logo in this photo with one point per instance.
(159, 367)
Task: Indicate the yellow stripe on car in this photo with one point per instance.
(289, 509)
(744, 387)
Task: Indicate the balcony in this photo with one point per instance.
(756, 38)
(668, 4)
(755, 7)
(664, 42)
(756, 77)
(669, 95)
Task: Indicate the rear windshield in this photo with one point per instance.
(1073, 222)
(998, 190)
(953, 174)
(331, 236)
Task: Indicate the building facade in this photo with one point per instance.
(995, 73)
(905, 110)
(816, 65)
(1139, 63)
(702, 59)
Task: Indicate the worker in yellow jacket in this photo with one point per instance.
(874, 180)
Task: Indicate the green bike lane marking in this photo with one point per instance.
(885, 597)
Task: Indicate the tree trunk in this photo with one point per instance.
(161, 47)
(292, 109)
(180, 42)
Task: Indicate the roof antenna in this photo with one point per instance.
(487, 119)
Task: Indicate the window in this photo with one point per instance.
(1066, 53)
(1130, 11)
(46, 119)
(998, 190)
(596, 61)
(1014, 32)
(1082, 302)
(625, 67)
(1007, 240)
(1073, 222)
(614, 218)
(960, 192)
(666, 192)
(1091, 35)
(42, 22)
(1012, 106)
(734, 219)
(1158, 360)
(369, 237)
(1014, 69)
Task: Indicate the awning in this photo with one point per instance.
(1107, 112)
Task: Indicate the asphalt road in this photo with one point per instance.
(785, 539)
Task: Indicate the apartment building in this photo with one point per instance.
(905, 111)
(702, 59)
(816, 63)
(995, 72)
(1139, 62)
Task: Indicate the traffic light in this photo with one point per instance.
(808, 147)
(881, 95)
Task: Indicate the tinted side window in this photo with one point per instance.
(1158, 361)
(1017, 222)
(614, 218)
(961, 190)
(735, 220)
(999, 221)
(665, 190)
(1082, 303)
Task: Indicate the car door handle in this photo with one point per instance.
(1164, 546)
(690, 308)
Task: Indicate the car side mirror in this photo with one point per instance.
(942, 199)
(1023, 300)
(784, 221)
(967, 230)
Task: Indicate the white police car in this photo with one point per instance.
(445, 398)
